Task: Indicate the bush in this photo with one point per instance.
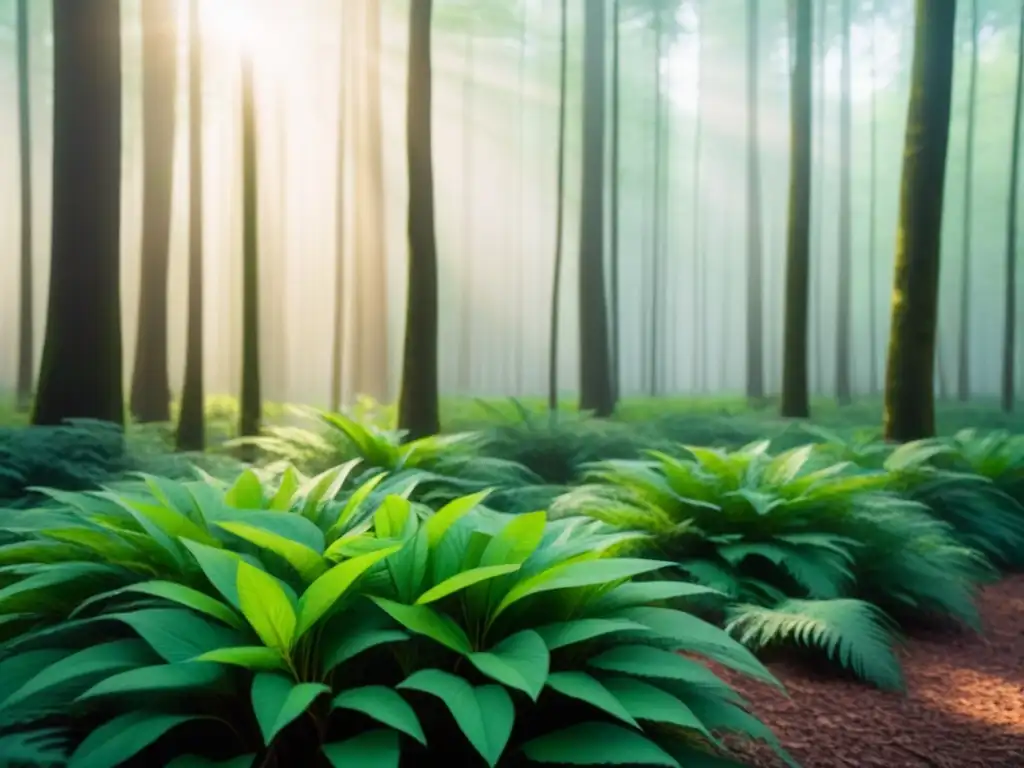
(279, 623)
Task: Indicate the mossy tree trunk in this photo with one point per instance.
(1008, 393)
(794, 364)
(81, 368)
(963, 363)
(755, 248)
(844, 353)
(26, 326)
(556, 283)
(251, 403)
(150, 399)
(418, 408)
(595, 380)
(909, 378)
(191, 435)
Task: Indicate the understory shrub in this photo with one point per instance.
(285, 622)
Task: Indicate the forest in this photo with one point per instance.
(516, 382)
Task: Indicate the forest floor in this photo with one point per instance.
(963, 706)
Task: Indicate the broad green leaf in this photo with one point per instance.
(18, 669)
(597, 744)
(266, 607)
(484, 715)
(171, 523)
(463, 580)
(82, 667)
(323, 593)
(220, 567)
(635, 593)
(307, 562)
(644, 701)
(162, 678)
(519, 661)
(58, 585)
(648, 661)
(586, 688)
(348, 646)
(246, 492)
(112, 547)
(118, 740)
(565, 633)
(385, 706)
(392, 517)
(516, 541)
(282, 499)
(583, 573)
(446, 516)
(337, 550)
(348, 512)
(176, 634)
(278, 701)
(379, 749)
(170, 493)
(255, 657)
(176, 593)
(424, 620)
(324, 487)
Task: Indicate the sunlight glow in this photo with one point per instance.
(250, 27)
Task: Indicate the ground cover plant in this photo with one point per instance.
(292, 623)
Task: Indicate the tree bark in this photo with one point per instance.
(26, 323)
(418, 410)
(963, 370)
(616, 174)
(873, 216)
(150, 399)
(556, 284)
(755, 257)
(657, 223)
(595, 382)
(910, 371)
(1008, 394)
(251, 403)
(844, 272)
(794, 365)
(338, 329)
(191, 434)
(81, 368)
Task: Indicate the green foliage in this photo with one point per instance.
(289, 619)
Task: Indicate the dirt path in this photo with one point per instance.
(964, 705)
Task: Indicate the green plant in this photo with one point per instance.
(531, 633)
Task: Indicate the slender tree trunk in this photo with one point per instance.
(595, 383)
(518, 351)
(250, 408)
(556, 285)
(469, 255)
(963, 370)
(150, 399)
(615, 180)
(657, 224)
(81, 368)
(794, 364)
(699, 327)
(844, 272)
(191, 426)
(26, 331)
(1010, 287)
(418, 410)
(338, 329)
(909, 379)
(873, 216)
(816, 271)
(755, 248)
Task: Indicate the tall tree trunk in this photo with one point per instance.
(873, 215)
(81, 368)
(816, 271)
(963, 370)
(699, 327)
(615, 180)
(755, 296)
(150, 399)
(418, 410)
(251, 405)
(657, 223)
(26, 331)
(844, 271)
(1010, 287)
(468, 272)
(556, 285)
(191, 425)
(349, 40)
(595, 382)
(794, 363)
(909, 388)
(519, 278)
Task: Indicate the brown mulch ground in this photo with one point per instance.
(963, 708)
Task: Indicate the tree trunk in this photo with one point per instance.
(556, 285)
(250, 409)
(1010, 287)
(191, 427)
(81, 368)
(657, 223)
(873, 216)
(418, 410)
(794, 363)
(910, 371)
(26, 334)
(699, 326)
(519, 277)
(595, 382)
(963, 370)
(616, 174)
(150, 399)
(755, 296)
(819, 224)
(466, 278)
(349, 39)
(844, 271)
